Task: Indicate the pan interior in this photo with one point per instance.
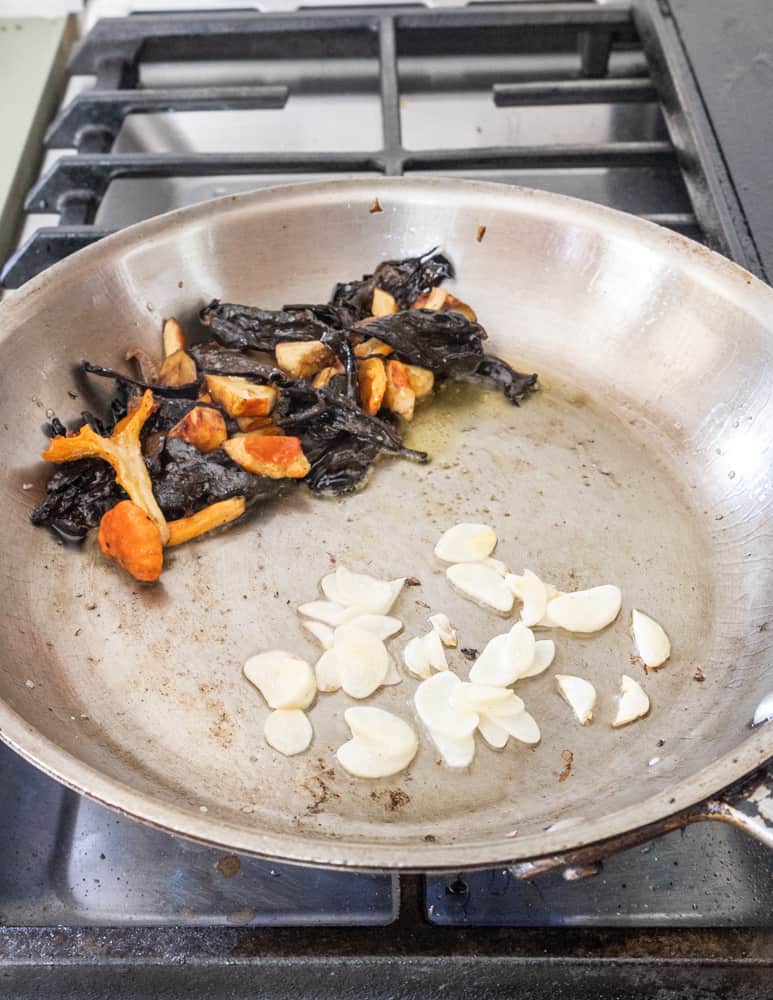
(630, 466)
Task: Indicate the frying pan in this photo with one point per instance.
(645, 460)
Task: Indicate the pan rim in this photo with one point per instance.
(307, 849)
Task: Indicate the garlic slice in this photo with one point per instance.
(321, 632)
(544, 654)
(505, 657)
(284, 680)
(358, 590)
(586, 610)
(532, 592)
(435, 709)
(381, 745)
(522, 727)
(288, 730)
(392, 675)
(579, 694)
(425, 653)
(327, 672)
(633, 703)
(764, 711)
(466, 543)
(493, 733)
(485, 699)
(456, 752)
(497, 565)
(329, 612)
(381, 625)
(362, 660)
(442, 625)
(482, 585)
(651, 640)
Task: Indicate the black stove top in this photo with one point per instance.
(94, 904)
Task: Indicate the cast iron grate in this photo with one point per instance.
(115, 48)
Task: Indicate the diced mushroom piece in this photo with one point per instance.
(436, 707)
(362, 660)
(147, 366)
(424, 653)
(359, 590)
(381, 745)
(482, 585)
(399, 397)
(372, 346)
(651, 640)
(383, 303)
(579, 694)
(441, 300)
(321, 379)
(633, 703)
(174, 337)
(373, 384)
(241, 398)
(586, 610)
(442, 625)
(288, 730)
(276, 457)
(207, 519)
(129, 536)
(421, 380)
(203, 427)
(303, 359)
(178, 369)
(532, 592)
(122, 450)
(265, 425)
(466, 543)
(284, 680)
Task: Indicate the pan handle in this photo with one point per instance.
(747, 804)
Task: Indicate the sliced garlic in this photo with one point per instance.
(764, 711)
(358, 590)
(425, 653)
(392, 675)
(485, 698)
(653, 644)
(532, 592)
(442, 625)
(586, 610)
(579, 694)
(436, 710)
(497, 565)
(327, 672)
(481, 584)
(456, 752)
(329, 612)
(466, 543)
(381, 743)
(288, 730)
(505, 658)
(284, 680)
(633, 703)
(321, 632)
(544, 654)
(493, 733)
(522, 727)
(381, 625)
(362, 660)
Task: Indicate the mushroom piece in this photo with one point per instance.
(399, 397)
(303, 359)
(129, 536)
(204, 520)
(203, 426)
(373, 383)
(178, 369)
(174, 337)
(278, 457)
(239, 397)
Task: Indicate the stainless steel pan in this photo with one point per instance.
(647, 459)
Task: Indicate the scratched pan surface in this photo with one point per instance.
(645, 460)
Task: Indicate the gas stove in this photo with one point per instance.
(643, 108)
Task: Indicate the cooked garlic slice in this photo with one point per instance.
(456, 752)
(362, 660)
(436, 710)
(579, 694)
(522, 727)
(532, 592)
(288, 730)
(586, 610)
(392, 675)
(493, 733)
(764, 711)
(284, 680)
(321, 632)
(381, 745)
(442, 625)
(425, 653)
(497, 565)
(329, 612)
(481, 584)
(544, 654)
(466, 543)
(633, 703)
(485, 699)
(505, 658)
(327, 672)
(653, 644)
(358, 590)
(381, 625)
